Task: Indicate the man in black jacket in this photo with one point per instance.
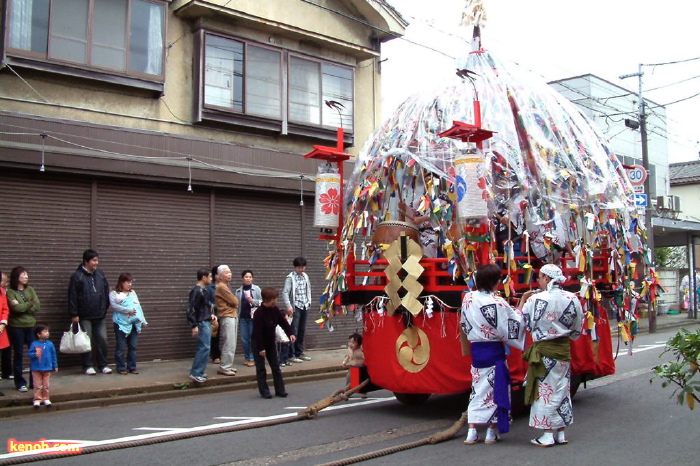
(88, 300)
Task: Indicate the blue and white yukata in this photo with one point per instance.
(548, 315)
(489, 321)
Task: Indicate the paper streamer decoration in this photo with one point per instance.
(327, 205)
(471, 185)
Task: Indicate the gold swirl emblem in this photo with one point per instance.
(413, 349)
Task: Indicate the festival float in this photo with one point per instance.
(496, 167)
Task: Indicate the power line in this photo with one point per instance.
(671, 62)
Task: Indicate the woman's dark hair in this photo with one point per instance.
(203, 272)
(247, 271)
(89, 255)
(487, 277)
(123, 277)
(214, 272)
(38, 328)
(14, 276)
(356, 337)
(299, 261)
(268, 294)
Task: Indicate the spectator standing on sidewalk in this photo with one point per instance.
(250, 297)
(24, 304)
(200, 318)
(42, 358)
(214, 350)
(267, 317)
(297, 300)
(127, 316)
(4, 340)
(88, 300)
(227, 307)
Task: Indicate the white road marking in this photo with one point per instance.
(366, 401)
(639, 350)
(166, 431)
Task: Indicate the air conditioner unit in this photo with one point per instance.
(662, 202)
(675, 203)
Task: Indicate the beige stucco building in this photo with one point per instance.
(169, 135)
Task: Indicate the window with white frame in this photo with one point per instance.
(120, 36)
(248, 79)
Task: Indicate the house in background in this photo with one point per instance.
(685, 188)
(169, 135)
(614, 110)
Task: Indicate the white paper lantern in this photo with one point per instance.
(327, 205)
(471, 187)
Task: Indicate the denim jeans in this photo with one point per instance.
(97, 330)
(246, 334)
(20, 336)
(228, 334)
(201, 357)
(122, 341)
(299, 327)
(283, 352)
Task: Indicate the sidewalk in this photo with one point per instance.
(158, 380)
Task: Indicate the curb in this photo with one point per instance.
(104, 398)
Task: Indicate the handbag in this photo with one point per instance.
(75, 342)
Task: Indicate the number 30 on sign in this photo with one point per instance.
(637, 175)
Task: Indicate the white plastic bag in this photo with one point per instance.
(75, 343)
(280, 336)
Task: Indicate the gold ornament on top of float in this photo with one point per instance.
(409, 283)
(413, 349)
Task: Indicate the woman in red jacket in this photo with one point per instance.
(4, 315)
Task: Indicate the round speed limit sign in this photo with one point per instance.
(637, 175)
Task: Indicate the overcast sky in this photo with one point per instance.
(559, 39)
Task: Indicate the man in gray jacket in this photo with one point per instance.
(297, 299)
(88, 300)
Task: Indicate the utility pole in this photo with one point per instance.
(647, 183)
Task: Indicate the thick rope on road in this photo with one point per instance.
(308, 413)
(438, 437)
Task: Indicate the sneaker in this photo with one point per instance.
(106, 370)
(297, 360)
(90, 371)
(47, 402)
(197, 378)
(23, 389)
(37, 403)
(226, 372)
(289, 363)
(304, 358)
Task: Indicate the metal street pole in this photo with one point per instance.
(647, 184)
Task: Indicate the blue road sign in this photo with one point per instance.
(640, 200)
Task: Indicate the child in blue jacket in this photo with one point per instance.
(42, 358)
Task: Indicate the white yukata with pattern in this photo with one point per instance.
(487, 317)
(548, 315)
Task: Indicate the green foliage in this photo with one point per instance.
(661, 256)
(682, 374)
